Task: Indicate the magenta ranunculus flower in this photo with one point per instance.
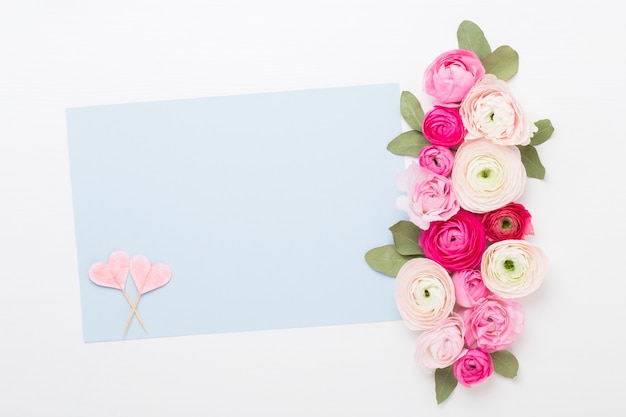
(512, 221)
(473, 367)
(429, 197)
(457, 243)
(437, 159)
(451, 75)
(444, 126)
(493, 323)
(469, 287)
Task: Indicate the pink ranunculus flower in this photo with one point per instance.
(436, 159)
(486, 176)
(493, 323)
(473, 367)
(429, 197)
(490, 111)
(441, 346)
(451, 75)
(469, 287)
(457, 243)
(443, 126)
(512, 221)
(424, 294)
(513, 268)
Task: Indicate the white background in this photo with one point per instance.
(56, 54)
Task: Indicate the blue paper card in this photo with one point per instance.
(263, 206)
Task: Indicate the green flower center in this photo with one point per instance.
(506, 224)
(509, 265)
(485, 173)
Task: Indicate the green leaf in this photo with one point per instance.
(386, 260)
(445, 383)
(545, 130)
(503, 62)
(472, 38)
(408, 143)
(532, 163)
(411, 110)
(405, 236)
(505, 363)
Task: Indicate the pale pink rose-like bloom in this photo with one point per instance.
(493, 323)
(441, 346)
(451, 75)
(513, 268)
(490, 111)
(469, 287)
(473, 367)
(486, 176)
(429, 197)
(424, 294)
(436, 159)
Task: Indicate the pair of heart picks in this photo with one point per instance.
(145, 275)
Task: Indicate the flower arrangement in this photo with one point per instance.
(461, 260)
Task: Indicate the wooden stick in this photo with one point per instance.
(130, 316)
(134, 311)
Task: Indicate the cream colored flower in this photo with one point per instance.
(424, 294)
(513, 268)
(490, 111)
(486, 176)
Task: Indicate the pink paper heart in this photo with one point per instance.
(112, 274)
(148, 277)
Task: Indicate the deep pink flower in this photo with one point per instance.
(451, 75)
(493, 323)
(512, 221)
(437, 159)
(457, 243)
(473, 367)
(443, 126)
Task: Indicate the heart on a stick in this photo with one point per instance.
(112, 274)
(148, 277)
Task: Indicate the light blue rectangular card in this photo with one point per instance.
(262, 205)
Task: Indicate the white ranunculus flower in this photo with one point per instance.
(441, 346)
(490, 111)
(424, 293)
(513, 268)
(486, 176)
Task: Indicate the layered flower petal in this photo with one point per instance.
(487, 176)
(443, 126)
(436, 159)
(473, 367)
(424, 294)
(513, 268)
(469, 287)
(455, 244)
(441, 346)
(451, 75)
(429, 197)
(493, 323)
(490, 111)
